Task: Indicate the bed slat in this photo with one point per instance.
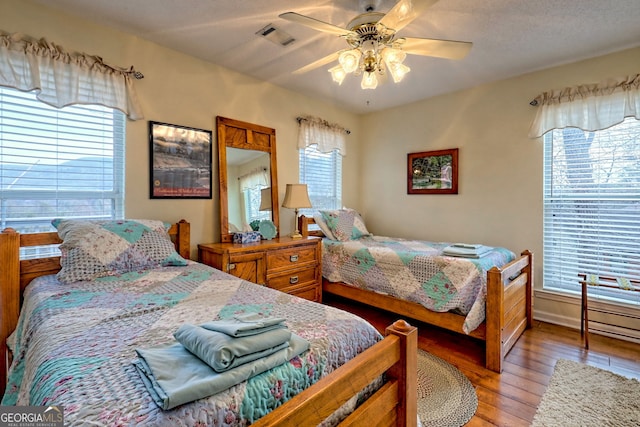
(378, 410)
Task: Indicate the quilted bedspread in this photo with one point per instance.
(416, 271)
(75, 343)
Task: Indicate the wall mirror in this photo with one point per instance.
(248, 175)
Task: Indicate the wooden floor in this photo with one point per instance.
(511, 398)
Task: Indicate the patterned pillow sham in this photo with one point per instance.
(345, 224)
(92, 249)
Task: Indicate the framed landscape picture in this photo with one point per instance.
(180, 162)
(433, 172)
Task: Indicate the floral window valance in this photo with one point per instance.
(60, 78)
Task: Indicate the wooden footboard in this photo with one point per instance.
(509, 306)
(395, 404)
(395, 357)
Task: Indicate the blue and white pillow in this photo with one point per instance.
(92, 249)
(344, 224)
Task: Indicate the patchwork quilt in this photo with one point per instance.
(75, 343)
(415, 271)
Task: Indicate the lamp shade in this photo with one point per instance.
(296, 197)
(265, 199)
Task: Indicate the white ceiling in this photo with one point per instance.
(510, 38)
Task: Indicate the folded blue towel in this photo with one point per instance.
(223, 352)
(173, 375)
(245, 325)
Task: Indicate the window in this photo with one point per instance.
(322, 172)
(58, 163)
(592, 207)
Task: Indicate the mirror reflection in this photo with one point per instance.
(248, 188)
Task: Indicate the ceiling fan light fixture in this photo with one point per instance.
(369, 81)
(338, 74)
(349, 60)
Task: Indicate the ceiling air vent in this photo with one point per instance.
(276, 35)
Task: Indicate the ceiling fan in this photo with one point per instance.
(373, 45)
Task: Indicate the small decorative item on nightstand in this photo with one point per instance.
(296, 197)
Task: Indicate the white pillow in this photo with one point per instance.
(317, 216)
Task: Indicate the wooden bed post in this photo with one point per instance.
(494, 322)
(183, 242)
(9, 295)
(529, 271)
(406, 373)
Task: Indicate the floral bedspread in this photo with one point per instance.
(415, 271)
(74, 345)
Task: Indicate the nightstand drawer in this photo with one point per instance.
(294, 278)
(312, 293)
(290, 257)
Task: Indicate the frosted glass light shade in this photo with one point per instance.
(398, 71)
(369, 81)
(338, 74)
(349, 60)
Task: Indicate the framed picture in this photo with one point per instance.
(433, 172)
(180, 162)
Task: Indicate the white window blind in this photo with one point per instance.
(592, 207)
(322, 172)
(57, 163)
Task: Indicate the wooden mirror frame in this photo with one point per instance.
(237, 134)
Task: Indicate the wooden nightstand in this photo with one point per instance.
(290, 265)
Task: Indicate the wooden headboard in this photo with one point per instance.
(303, 225)
(15, 275)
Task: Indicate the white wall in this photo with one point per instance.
(500, 168)
(186, 91)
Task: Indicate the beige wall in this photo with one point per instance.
(500, 193)
(182, 90)
(500, 168)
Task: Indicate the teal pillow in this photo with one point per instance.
(92, 249)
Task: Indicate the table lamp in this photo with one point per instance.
(265, 199)
(296, 197)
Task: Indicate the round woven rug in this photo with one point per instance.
(446, 398)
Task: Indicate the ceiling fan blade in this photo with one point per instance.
(431, 47)
(325, 27)
(319, 63)
(404, 12)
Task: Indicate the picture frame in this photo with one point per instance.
(433, 172)
(180, 162)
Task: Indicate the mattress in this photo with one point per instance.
(416, 271)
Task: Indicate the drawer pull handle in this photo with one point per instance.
(231, 267)
(293, 258)
(293, 280)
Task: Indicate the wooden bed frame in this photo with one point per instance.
(509, 305)
(395, 403)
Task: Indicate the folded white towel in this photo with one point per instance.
(466, 252)
(467, 245)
